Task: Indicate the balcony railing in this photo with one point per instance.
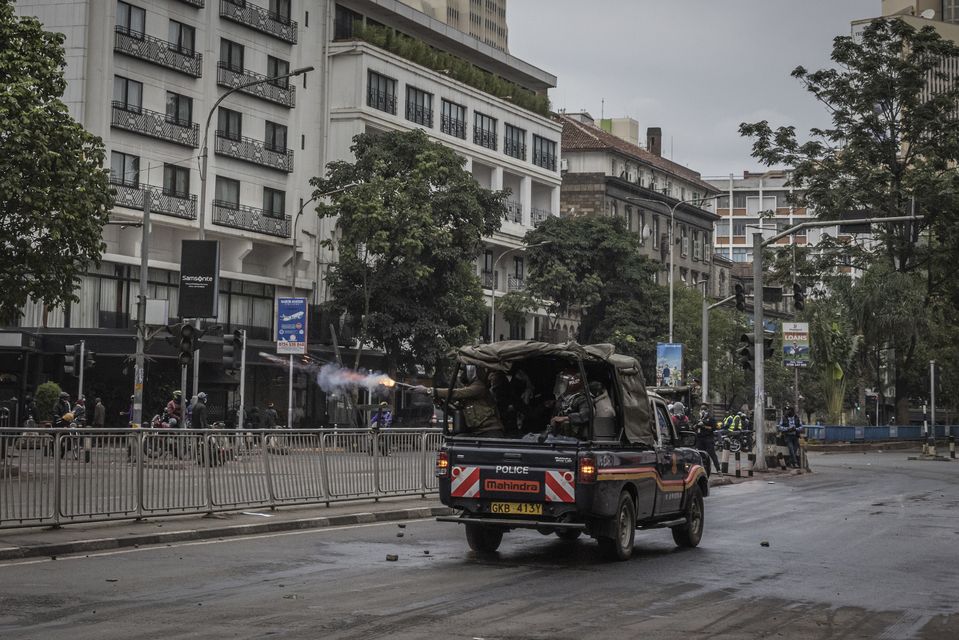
(514, 149)
(157, 51)
(545, 160)
(195, 3)
(227, 76)
(254, 151)
(490, 279)
(381, 100)
(260, 19)
(239, 216)
(419, 114)
(453, 127)
(514, 211)
(154, 124)
(484, 138)
(539, 216)
(161, 201)
(515, 283)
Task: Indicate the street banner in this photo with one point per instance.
(669, 364)
(291, 326)
(796, 344)
(199, 279)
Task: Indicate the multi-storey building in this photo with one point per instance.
(145, 75)
(606, 174)
(485, 20)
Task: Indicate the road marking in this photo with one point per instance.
(192, 543)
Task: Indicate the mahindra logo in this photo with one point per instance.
(511, 486)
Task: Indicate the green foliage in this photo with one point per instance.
(515, 305)
(409, 231)
(424, 55)
(46, 399)
(834, 348)
(592, 268)
(54, 193)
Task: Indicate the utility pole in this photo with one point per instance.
(240, 416)
(83, 344)
(759, 404)
(138, 370)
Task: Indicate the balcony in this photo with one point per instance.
(545, 160)
(239, 216)
(166, 54)
(515, 283)
(227, 76)
(381, 100)
(259, 19)
(514, 149)
(255, 151)
(514, 211)
(484, 138)
(490, 279)
(539, 216)
(419, 114)
(194, 3)
(453, 127)
(172, 204)
(154, 124)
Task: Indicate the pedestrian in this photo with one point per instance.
(666, 374)
(199, 418)
(791, 427)
(270, 417)
(174, 409)
(189, 412)
(706, 435)
(678, 416)
(80, 411)
(99, 414)
(381, 420)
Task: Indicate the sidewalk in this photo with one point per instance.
(33, 542)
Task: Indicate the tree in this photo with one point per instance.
(45, 400)
(591, 266)
(891, 150)
(410, 223)
(54, 192)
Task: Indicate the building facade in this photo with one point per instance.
(485, 20)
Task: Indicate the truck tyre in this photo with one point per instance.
(483, 538)
(568, 534)
(691, 532)
(620, 547)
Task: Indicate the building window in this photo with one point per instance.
(722, 229)
(950, 11)
(229, 124)
(514, 142)
(642, 228)
(697, 245)
(544, 153)
(275, 138)
(182, 38)
(228, 191)
(684, 244)
(519, 268)
(176, 181)
(739, 228)
(707, 246)
(127, 94)
(125, 169)
(277, 67)
(280, 10)
(343, 22)
(453, 119)
(274, 202)
(487, 261)
(742, 254)
(381, 93)
(231, 55)
(131, 19)
(419, 106)
(484, 130)
(628, 217)
(655, 234)
(179, 109)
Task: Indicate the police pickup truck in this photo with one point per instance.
(614, 474)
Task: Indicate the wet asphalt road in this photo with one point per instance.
(866, 547)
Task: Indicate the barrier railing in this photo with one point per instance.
(59, 476)
(854, 433)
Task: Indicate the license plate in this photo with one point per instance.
(517, 508)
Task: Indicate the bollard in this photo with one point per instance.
(738, 467)
(932, 446)
(952, 447)
(782, 460)
(724, 465)
(752, 464)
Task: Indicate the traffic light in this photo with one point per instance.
(186, 339)
(71, 364)
(768, 345)
(746, 350)
(233, 350)
(740, 297)
(799, 296)
(89, 359)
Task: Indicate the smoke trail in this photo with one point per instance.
(331, 377)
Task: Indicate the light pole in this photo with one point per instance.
(492, 288)
(672, 220)
(204, 155)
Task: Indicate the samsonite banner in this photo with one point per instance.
(199, 279)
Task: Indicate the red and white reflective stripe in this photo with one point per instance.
(465, 483)
(560, 487)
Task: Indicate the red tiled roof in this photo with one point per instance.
(579, 136)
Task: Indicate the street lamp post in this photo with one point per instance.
(492, 288)
(204, 155)
(672, 220)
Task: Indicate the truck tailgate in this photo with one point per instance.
(513, 474)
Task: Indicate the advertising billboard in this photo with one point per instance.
(291, 326)
(199, 279)
(796, 344)
(669, 364)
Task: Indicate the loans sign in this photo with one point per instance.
(796, 344)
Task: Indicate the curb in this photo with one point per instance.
(101, 544)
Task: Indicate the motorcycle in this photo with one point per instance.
(734, 441)
(156, 445)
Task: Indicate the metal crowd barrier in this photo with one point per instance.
(58, 476)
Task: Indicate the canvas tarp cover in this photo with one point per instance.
(500, 356)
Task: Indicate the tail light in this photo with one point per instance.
(587, 469)
(442, 464)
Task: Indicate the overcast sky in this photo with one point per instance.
(695, 68)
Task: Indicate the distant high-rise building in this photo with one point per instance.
(485, 20)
